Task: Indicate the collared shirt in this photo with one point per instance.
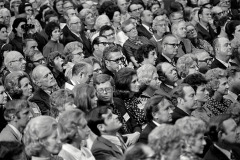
(18, 133)
(115, 140)
(224, 63)
(83, 154)
(157, 124)
(169, 86)
(168, 59)
(234, 96)
(148, 28)
(224, 151)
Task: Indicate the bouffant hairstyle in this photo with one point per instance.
(50, 27)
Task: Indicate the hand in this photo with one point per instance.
(132, 138)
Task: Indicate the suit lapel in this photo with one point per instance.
(218, 153)
(110, 144)
(203, 30)
(13, 133)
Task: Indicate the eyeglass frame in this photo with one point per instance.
(106, 90)
(121, 59)
(175, 45)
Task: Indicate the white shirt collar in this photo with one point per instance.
(148, 28)
(224, 151)
(234, 96)
(19, 134)
(83, 154)
(224, 63)
(157, 124)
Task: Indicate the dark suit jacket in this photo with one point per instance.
(177, 114)
(68, 36)
(161, 58)
(165, 88)
(8, 135)
(204, 34)
(42, 99)
(148, 129)
(142, 31)
(161, 92)
(103, 149)
(215, 154)
(217, 64)
(187, 48)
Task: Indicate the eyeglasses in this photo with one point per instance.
(207, 60)
(134, 28)
(118, 60)
(19, 60)
(41, 61)
(175, 45)
(191, 31)
(106, 90)
(109, 35)
(28, 10)
(105, 43)
(137, 9)
(79, 53)
(76, 23)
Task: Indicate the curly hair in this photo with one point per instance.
(12, 84)
(37, 130)
(213, 76)
(111, 10)
(145, 73)
(195, 80)
(143, 52)
(50, 27)
(68, 122)
(184, 63)
(164, 138)
(84, 12)
(190, 127)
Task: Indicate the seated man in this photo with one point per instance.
(158, 111)
(104, 86)
(17, 114)
(105, 124)
(47, 84)
(185, 101)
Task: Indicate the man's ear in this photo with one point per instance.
(101, 127)
(162, 78)
(155, 115)
(180, 100)
(220, 135)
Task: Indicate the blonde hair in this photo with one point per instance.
(145, 73)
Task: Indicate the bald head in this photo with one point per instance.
(14, 61)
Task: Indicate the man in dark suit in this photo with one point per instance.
(205, 31)
(109, 144)
(170, 47)
(184, 98)
(73, 32)
(168, 75)
(104, 84)
(222, 131)
(223, 52)
(145, 28)
(179, 30)
(17, 114)
(47, 84)
(158, 111)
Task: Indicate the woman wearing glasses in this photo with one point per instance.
(198, 43)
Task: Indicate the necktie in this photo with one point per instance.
(183, 47)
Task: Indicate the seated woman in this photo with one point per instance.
(73, 129)
(53, 30)
(41, 139)
(85, 97)
(192, 130)
(217, 87)
(149, 81)
(19, 86)
(187, 64)
(146, 55)
(73, 52)
(166, 141)
(126, 88)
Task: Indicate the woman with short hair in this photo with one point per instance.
(73, 129)
(41, 139)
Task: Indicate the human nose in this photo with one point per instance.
(170, 110)
(30, 115)
(204, 142)
(227, 86)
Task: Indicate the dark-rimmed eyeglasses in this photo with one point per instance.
(175, 45)
(105, 43)
(137, 9)
(41, 61)
(118, 60)
(207, 60)
(106, 90)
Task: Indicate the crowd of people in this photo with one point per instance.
(119, 80)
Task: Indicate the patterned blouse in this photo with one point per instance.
(189, 156)
(136, 107)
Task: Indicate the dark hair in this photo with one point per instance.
(79, 67)
(195, 80)
(216, 125)
(178, 92)
(50, 27)
(95, 118)
(12, 150)
(39, 16)
(102, 78)
(123, 78)
(16, 23)
(152, 106)
(152, 3)
(22, 6)
(135, 2)
(176, 7)
(55, 4)
(105, 5)
(143, 52)
(49, 14)
(2, 26)
(83, 93)
(104, 29)
(231, 27)
(97, 40)
(111, 10)
(200, 11)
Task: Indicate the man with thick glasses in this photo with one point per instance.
(104, 86)
(170, 46)
(204, 60)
